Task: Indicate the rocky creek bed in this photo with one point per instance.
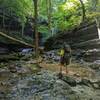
(24, 80)
(43, 85)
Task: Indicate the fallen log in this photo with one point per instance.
(16, 40)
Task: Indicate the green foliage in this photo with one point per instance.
(65, 14)
(93, 9)
(20, 8)
(43, 29)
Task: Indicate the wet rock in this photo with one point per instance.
(26, 51)
(45, 85)
(95, 66)
(27, 57)
(60, 87)
(12, 68)
(70, 80)
(51, 56)
(5, 74)
(52, 88)
(86, 82)
(84, 92)
(23, 70)
(96, 86)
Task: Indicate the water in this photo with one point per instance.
(99, 32)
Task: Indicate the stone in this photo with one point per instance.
(12, 68)
(96, 86)
(70, 80)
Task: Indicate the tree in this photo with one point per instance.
(93, 11)
(19, 8)
(35, 27)
(49, 15)
(83, 11)
(61, 15)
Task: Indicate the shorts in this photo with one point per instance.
(64, 61)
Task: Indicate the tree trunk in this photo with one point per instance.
(83, 11)
(22, 31)
(36, 28)
(3, 24)
(49, 14)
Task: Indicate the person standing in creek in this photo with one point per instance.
(65, 57)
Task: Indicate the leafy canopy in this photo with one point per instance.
(65, 14)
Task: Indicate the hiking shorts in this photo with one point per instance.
(64, 60)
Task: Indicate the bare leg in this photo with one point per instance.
(61, 69)
(60, 72)
(67, 63)
(66, 70)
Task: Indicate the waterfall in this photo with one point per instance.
(98, 26)
(99, 32)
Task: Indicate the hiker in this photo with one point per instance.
(65, 54)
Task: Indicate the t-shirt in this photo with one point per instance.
(62, 52)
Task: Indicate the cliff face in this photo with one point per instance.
(73, 37)
(84, 37)
(11, 25)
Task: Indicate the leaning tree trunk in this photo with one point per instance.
(15, 40)
(36, 28)
(83, 11)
